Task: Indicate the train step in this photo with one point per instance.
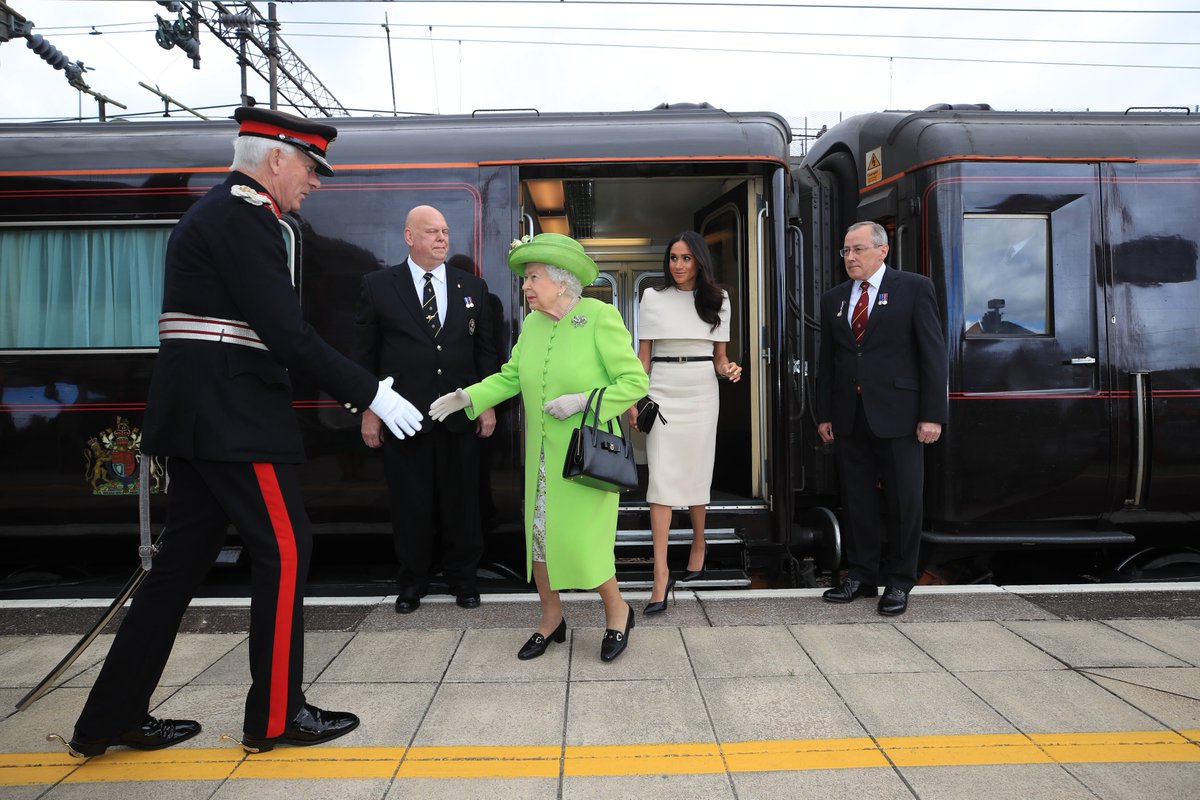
(713, 579)
(715, 537)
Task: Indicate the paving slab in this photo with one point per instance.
(33, 657)
(391, 713)
(1140, 781)
(130, 790)
(637, 712)
(490, 654)
(867, 648)
(55, 712)
(396, 657)
(917, 704)
(976, 647)
(1091, 644)
(640, 787)
(652, 653)
(746, 651)
(1141, 603)
(876, 784)
(9, 642)
(751, 708)
(320, 648)
(1168, 694)
(494, 714)
(996, 782)
(1059, 701)
(1179, 638)
(473, 789)
(282, 789)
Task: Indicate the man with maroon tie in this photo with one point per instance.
(881, 391)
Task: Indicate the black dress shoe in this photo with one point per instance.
(406, 604)
(661, 605)
(696, 574)
(537, 643)
(468, 600)
(893, 602)
(849, 590)
(614, 642)
(311, 725)
(152, 734)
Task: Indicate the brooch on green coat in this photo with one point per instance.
(579, 320)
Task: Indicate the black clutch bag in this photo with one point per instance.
(600, 458)
(647, 414)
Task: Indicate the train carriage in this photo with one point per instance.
(1064, 252)
(85, 211)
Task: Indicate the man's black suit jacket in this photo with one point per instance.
(901, 364)
(394, 339)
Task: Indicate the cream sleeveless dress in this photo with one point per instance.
(680, 454)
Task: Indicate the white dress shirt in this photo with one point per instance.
(439, 286)
(872, 294)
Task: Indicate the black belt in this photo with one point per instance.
(681, 359)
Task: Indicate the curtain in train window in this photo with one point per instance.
(81, 287)
(1006, 275)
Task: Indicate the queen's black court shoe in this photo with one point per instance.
(152, 734)
(614, 642)
(537, 643)
(661, 605)
(310, 726)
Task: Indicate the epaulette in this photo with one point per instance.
(253, 197)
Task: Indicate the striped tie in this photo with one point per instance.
(429, 305)
(858, 322)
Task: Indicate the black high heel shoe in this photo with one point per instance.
(614, 642)
(537, 643)
(661, 605)
(696, 574)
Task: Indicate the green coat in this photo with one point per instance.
(587, 349)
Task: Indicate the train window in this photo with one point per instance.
(603, 288)
(1006, 275)
(81, 287)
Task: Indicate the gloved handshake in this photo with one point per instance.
(401, 417)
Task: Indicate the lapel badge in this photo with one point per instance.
(471, 326)
(882, 299)
(468, 302)
(841, 308)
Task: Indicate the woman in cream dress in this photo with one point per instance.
(683, 328)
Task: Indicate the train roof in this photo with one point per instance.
(940, 133)
(691, 132)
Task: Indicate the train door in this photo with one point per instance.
(1029, 430)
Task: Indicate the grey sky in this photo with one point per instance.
(704, 53)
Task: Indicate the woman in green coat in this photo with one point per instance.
(569, 345)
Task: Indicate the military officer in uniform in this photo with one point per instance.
(220, 410)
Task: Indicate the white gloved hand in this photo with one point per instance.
(401, 417)
(566, 405)
(447, 404)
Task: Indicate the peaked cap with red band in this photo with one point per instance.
(311, 138)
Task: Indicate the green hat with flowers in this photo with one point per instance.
(553, 249)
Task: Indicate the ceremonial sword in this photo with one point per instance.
(146, 551)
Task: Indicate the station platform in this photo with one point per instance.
(977, 692)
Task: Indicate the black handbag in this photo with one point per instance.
(598, 458)
(647, 414)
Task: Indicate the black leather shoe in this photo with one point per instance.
(696, 574)
(152, 734)
(614, 642)
(661, 605)
(893, 602)
(406, 604)
(469, 600)
(849, 590)
(537, 643)
(311, 725)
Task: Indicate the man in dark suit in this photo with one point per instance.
(882, 393)
(430, 327)
(220, 410)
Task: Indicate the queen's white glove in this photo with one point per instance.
(401, 417)
(566, 405)
(447, 404)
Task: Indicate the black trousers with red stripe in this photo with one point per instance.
(263, 502)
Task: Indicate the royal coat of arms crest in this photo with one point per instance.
(112, 459)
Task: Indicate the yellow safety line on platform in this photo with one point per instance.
(692, 758)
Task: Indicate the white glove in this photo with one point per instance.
(447, 404)
(566, 405)
(401, 417)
